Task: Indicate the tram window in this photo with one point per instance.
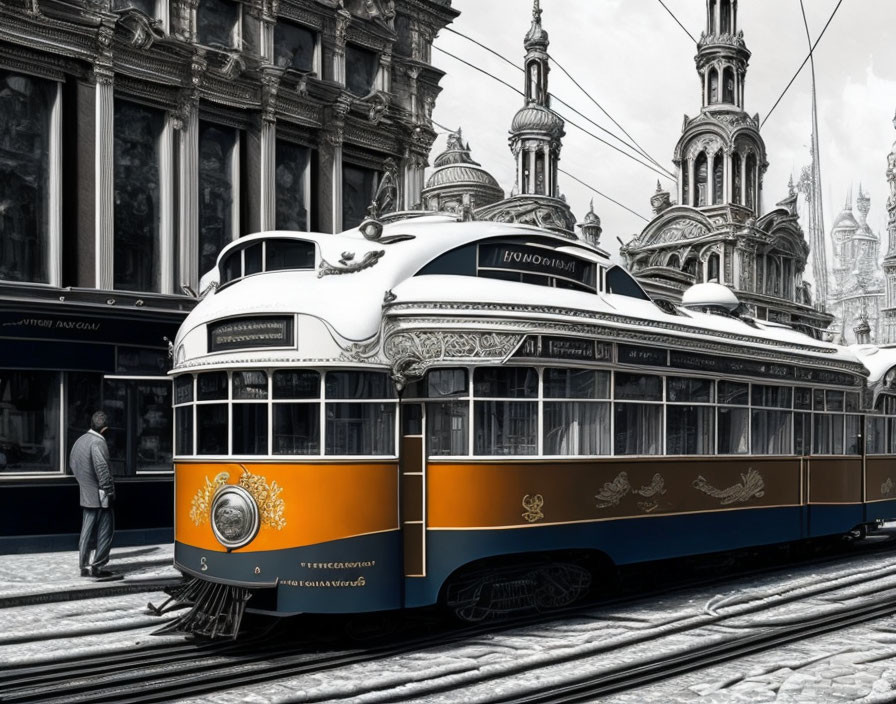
(506, 427)
(822, 439)
(891, 436)
(183, 426)
(732, 393)
(837, 435)
(620, 282)
(296, 429)
(577, 428)
(211, 429)
(818, 399)
(638, 387)
(232, 266)
(252, 261)
(183, 389)
(212, 386)
(358, 385)
(690, 430)
(460, 262)
(638, 429)
(852, 430)
(296, 384)
(250, 428)
(834, 401)
(802, 432)
(734, 431)
(250, 385)
(772, 396)
(447, 424)
(802, 398)
(852, 402)
(446, 382)
(771, 432)
(505, 382)
(876, 435)
(681, 389)
(576, 383)
(289, 254)
(360, 428)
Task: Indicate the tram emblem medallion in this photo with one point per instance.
(265, 495)
(533, 505)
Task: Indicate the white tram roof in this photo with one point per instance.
(351, 305)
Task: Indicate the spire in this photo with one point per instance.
(536, 38)
(722, 56)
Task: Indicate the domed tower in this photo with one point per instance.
(457, 182)
(535, 141)
(721, 156)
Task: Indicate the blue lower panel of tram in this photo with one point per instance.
(356, 574)
(834, 518)
(624, 542)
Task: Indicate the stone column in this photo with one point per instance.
(530, 153)
(186, 122)
(726, 176)
(343, 19)
(104, 178)
(166, 209)
(329, 195)
(268, 148)
(54, 226)
(692, 187)
(743, 179)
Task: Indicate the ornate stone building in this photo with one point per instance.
(889, 307)
(536, 134)
(457, 183)
(717, 230)
(858, 290)
(138, 137)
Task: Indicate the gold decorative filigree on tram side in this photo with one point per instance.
(267, 496)
(533, 505)
(201, 507)
(887, 487)
(752, 485)
(613, 492)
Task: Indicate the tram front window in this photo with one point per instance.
(505, 425)
(296, 413)
(359, 419)
(447, 410)
(250, 420)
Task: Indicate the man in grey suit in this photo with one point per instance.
(89, 461)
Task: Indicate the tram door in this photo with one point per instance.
(412, 466)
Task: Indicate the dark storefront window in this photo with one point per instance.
(25, 107)
(291, 174)
(29, 421)
(217, 189)
(217, 22)
(358, 190)
(294, 46)
(83, 394)
(139, 434)
(360, 70)
(137, 194)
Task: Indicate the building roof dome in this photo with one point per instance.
(846, 220)
(710, 295)
(461, 174)
(537, 118)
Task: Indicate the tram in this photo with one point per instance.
(486, 415)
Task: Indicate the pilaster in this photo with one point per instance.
(186, 123)
(104, 177)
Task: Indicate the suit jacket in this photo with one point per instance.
(89, 462)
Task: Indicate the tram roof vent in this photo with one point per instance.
(710, 297)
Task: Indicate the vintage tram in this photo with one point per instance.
(486, 415)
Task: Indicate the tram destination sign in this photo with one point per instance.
(566, 348)
(251, 333)
(536, 260)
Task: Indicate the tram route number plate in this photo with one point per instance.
(251, 333)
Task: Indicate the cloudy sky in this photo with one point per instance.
(635, 61)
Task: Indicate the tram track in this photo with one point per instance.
(195, 669)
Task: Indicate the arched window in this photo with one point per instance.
(712, 268)
(712, 16)
(713, 86)
(718, 184)
(539, 173)
(673, 262)
(725, 17)
(751, 182)
(773, 278)
(735, 178)
(728, 85)
(690, 266)
(701, 170)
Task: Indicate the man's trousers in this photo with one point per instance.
(97, 526)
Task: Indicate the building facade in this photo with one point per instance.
(137, 138)
(858, 286)
(888, 311)
(718, 230)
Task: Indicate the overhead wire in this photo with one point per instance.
(560, 115)
(809, 56)
(634, 146)
(603, 195)
(685, 29)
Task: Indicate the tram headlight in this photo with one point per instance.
(235, 519)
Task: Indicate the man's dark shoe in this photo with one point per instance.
(85, 572)
(97, 573)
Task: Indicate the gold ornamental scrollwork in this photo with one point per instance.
(266, 496)
(533, 506)
(751, 485)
